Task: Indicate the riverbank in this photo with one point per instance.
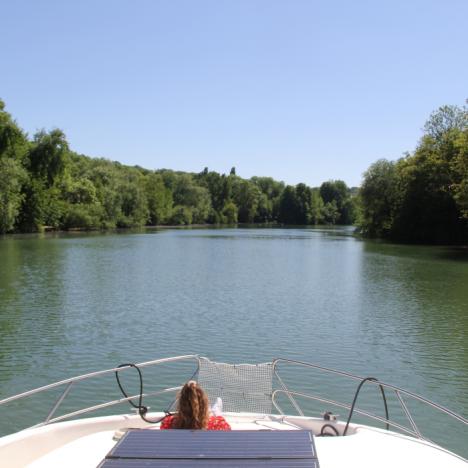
(457, 249)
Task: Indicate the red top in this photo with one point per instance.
(215, 423)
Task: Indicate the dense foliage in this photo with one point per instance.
(43, 184)
(422, 197)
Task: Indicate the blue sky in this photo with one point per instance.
(299, 90)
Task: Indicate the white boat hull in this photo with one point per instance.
(85, 442)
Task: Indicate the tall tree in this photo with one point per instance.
(13, 142)
(288, 206)
(247, 197)
(379, 195)
(445, 119)
(48, 155)
(12, 177)
(338, 192)
(13, 147)
(159, 199)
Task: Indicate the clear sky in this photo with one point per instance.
(299, 90)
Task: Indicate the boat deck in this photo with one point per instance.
(365, 448)
(251, 395)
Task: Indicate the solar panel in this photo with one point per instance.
(240, 463)
(144, 448)
(214, 444)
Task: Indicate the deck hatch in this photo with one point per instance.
(182, 448)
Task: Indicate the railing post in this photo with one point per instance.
(408, 415)
(58, 402)
(285, 388)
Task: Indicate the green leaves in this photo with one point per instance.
(48, 156)
(13, 142)
(424, 196)
(12, 177)
(379, 197)
(420, 198)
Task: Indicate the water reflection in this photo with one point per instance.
(419, 311)
(31, 305)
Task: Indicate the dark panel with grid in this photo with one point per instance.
(227, 449)
(238, 463)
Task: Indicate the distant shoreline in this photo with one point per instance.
(462, 248)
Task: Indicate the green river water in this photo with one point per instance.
(76, 303)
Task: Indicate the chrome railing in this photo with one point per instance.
(283, 389)
(70, 382)
(400, 393)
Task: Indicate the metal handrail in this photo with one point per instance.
(288, 393)
(72, 380)
(420, 398)
(95, 374)
(346, 406)
(69, 383)
(105, 405)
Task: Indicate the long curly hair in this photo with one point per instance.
(193, 408)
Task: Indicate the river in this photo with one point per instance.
(75, 303)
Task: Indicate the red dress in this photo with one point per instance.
(215, 423)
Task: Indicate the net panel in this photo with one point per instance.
(242, 387)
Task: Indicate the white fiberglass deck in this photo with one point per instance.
(85, 443)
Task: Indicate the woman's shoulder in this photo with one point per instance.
(218, 423)
(167, 422)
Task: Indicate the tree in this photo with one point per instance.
(316, 207)
(219, 187)
(187, 193)
(304, 204)
(134, 206)
(331, 213)
(423, 197)
(159, 199)
(246, 196)
(428, 211)
(48, 155)
(13, 142)
(107, 181)
(459, 167)
(337, 191)
(181, 215)
(288, 206)
(264, 211)
(82, 216)
(349, 210)
(13, 147)
(379, 195)
(12, 177)
(445, 119)
(81, 190)
(269, 203)
(230, 213)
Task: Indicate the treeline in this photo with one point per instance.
(422, 197)
(43, 184)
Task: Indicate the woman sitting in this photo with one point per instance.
(194, 412)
